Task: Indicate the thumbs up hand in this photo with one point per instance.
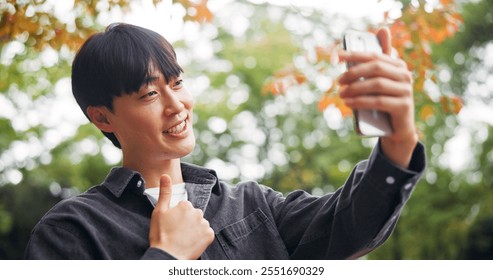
(182, 230)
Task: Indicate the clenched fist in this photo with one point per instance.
(182, 230)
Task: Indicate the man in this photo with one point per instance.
(128, 83)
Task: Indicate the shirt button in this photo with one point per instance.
(408, 186)
(390, 180)
(139, 184)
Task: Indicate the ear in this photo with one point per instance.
(98, 116)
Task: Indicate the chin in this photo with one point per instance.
(185, 150)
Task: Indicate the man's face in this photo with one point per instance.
(156, 121)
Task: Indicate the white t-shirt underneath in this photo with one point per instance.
(179, 194)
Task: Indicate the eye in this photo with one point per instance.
(149, 94)
(178, 84)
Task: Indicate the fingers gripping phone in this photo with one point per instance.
(368, 122)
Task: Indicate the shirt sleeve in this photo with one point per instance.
(157, 254)
(50, 242)
(356, 218)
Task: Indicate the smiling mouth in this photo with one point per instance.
(177, 129)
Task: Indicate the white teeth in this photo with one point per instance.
(177, 129)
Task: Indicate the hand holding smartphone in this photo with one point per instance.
(368, 122)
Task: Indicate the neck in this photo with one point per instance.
(152, 170)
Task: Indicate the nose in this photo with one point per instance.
(172, 103)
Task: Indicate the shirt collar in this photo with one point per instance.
(200, 183)
(121, 178)
(198, 175)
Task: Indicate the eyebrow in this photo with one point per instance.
(148, 80)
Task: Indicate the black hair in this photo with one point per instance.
(118, 61)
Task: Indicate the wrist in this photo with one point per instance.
(401, 150)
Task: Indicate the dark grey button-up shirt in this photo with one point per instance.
(250, 221)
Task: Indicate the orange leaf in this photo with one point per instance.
(434, 78)
(452, 104)
(458, 103)
(446, 2)
(197, 10)
(323, 53)
(426, 112)
(325, 102)
(203, 12)
(330, 99)
(27, 25)
(345, 110)
(419, 83)
(299, 78)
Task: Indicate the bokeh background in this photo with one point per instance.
(264, 76)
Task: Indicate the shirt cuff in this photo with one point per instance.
(157, 254)
(386, 173)
(399, 180)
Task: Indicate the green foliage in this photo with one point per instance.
(445, 218)
(479, 244)
(460, 52)
(23, 205)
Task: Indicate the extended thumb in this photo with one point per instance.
(165, 191)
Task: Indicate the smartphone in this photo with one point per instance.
(367, 122)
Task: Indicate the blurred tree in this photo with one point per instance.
(479, 242)
(446, 217)
(461, 53)
(420, 26)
